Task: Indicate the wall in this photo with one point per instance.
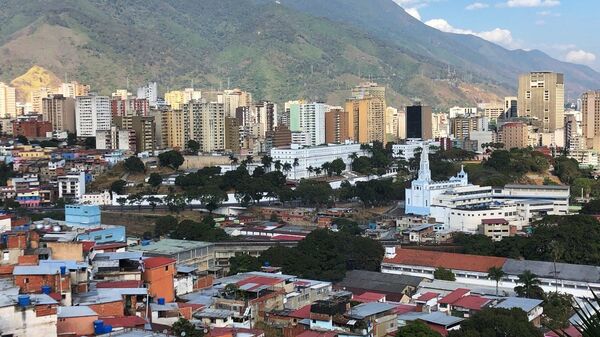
(80, 326)
(108, 309)
(26, 323)
(160, 282)
(72, 251)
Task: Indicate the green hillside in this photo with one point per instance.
(278, 52)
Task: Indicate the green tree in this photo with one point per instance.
(314, 193)
(193, 146)
(266, 162)
(212, 197)
(90, 143)
(122, 201)
(493, 322)
(136, 199)
(530, 286)
(134, 164)
(71, 139)
(558, 308)
(118, 186)
(496, 274)
(164, 225)
(416, 329)
(155, 179)
(592, 207)
(589, 315)
(153, 201)
(442, 273)
(172, 159)
(183, 327)
(337, 166)
(243, 263)
(175, 202)
(22, 140)
(362, 165)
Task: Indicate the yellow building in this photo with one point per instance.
(542, 97)
(367, 119)
(8, 103)
(177, 98)
(172, 129)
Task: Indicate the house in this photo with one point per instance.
(158, 274)
(395, 287)
(191, 253)
(378, 319)
(27, 315)
(427, 302)
(368, 297)
(113, 302)
(43, 278)
(441, 323)
(77, 321)
(532, 307)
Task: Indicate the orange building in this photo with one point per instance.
(515, 135)
(159, 273)
(337, 126)
(75, 321)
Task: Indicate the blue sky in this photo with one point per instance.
(565, 29)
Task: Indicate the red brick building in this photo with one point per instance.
(33, 127)
(159, 273)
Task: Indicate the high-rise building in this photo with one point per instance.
(367, 109)
(8, 103)
(74, 89)
(123, 94)
(309, 118)
(36, 98)
(515, 135)
(542, 97)
(31, 126)
(510, 107)
(266, 113)
(149, 92)
(337, 126)
(233, 99)
(232, 134)
(144, 128)
(177, 98)
(129, 107)
(116, 138)
(492, 110)
(206, 122)
(391, 123)
(60, 112)
(590, 119)
(173, 129)
(418, 121)
(573, 134)
(282, 137)
(461, 127)
(440, 125)
(368, 89)
(92, 114)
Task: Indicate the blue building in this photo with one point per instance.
(101, 235)
(82, 215)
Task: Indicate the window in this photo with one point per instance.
(26, 280)
(166, 268)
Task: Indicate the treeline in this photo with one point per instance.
(322, 255)
(569, 239)
(205, 230)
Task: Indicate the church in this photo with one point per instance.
(423, 190)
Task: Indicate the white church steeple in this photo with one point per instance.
(424, 171)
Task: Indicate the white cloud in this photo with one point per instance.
(548, 13)
(580, 56)
(532, 3)
(414, 12)
(499, 36)
(476, 5)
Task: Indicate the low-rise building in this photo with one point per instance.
(192, 253)
(27, 315)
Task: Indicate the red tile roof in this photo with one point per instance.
(159, 261)
(427, 296)
(404, 308)
(493, 221)
(477, 263)
(194, 307)
(454, 296)
(115, 245)
(301, 313)
(124, 321)
(471, 302)
(571, 331)
(311, 333)
(56, 296)
(369, 297)
(260, 280)
(119, 284)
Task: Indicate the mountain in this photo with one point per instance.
(34, 79)
(279, 51)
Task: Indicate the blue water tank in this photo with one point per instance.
(107, 328)
(46, 290)
(24, 301)
(63, 270)
(145, 242)
(161, 301)
(98, 327)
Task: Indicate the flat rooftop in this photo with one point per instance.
(170, 246)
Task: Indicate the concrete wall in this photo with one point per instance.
(72, 251)
(80, 326)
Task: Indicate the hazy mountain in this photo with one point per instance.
(299, 48)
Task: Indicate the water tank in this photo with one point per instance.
(98, 327)
(47, 226)
(39, 226)
(56, 228)
(63, 270)
(145, 242)
(24, 301)
(161, 301)
(107, 328)
(46, 290)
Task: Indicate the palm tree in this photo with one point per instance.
(233, 159)
(318, 171)
(588, 315)
(530, 287)
(295, 164)
(249, 159)
(278, 165)
(266, 161)
(326, 167)
(496, 274)
(557, 251)
(353, 156)
(310, 170)
(287, 167)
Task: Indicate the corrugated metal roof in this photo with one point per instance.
(565, 271)
(525, 304)
(441, 319)
(368, 309)
(75, 311)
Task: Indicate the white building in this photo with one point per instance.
(149, 92)
(100, 199)
(407, 150)
(115, 139)
(423, 190)
(462, 112)
(315, 156)
(558, 195)
(301, 138)
(34, 316)
(71, 186)
(92, 113)
(309, 118)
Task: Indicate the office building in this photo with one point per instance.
(59, 110)
(36, 98)
(462, 112)
(177, 98)
(493, 110)
(309, 118)
(266, 114)
(232, 134)
(542, 97)
(419, 121)
(173, 129)
(233, 99)
(8, 103)
(282, 136)
(120, 107)
(573, 133)
(149, 92)
(440, 125)
(590, 119)
(337, 126)
(461, 127)
(367, 116)
(510, 107)
(368, 89)
(92, 114)
(514, 135)
(145, 131)
(205, 123)
(74, 89)
(392, 124)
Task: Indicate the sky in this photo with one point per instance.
(567, 30)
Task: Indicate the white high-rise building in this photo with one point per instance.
(71, 186)
(149, 92)
(8, 104)
(92, 113)
(309, 118)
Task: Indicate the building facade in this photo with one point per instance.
(92, 114)
(8, 103)
(419, 122)
(59, 110)
(542, 97)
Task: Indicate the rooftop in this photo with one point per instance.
(442, 319)
(75, 311)
(538, 187)
(170, 247)
(369, 309)
(566, 271)
(471, 302)
(525, 304)
(476, 263)
(454, 296)
(378, 282)
(159, 261)
(427, 296)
